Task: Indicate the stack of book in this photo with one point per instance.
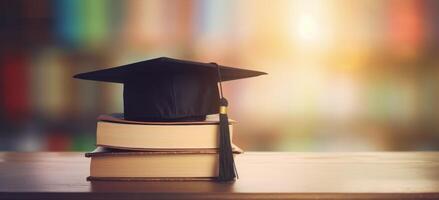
(130, 150)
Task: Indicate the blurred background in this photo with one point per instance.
(343, 75)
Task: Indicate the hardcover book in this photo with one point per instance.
(115, 132)
(195, 164)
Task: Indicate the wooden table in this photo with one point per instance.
(262, 176)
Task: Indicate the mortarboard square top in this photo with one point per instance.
(167, 89)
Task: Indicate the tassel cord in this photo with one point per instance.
(227, 167)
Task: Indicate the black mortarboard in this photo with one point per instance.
(167, 89)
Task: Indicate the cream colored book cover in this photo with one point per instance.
(111, 164)
(114, 133)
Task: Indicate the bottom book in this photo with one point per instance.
(176, 165)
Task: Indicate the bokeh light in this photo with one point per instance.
(343, 75)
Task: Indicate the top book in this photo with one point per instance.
(115, 132)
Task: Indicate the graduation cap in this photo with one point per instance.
(166, 89)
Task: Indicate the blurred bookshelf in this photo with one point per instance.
(357, 76)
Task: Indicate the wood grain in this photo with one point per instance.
(395, 175)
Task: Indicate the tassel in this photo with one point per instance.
(227, 168)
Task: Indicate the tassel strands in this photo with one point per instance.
(227, 169)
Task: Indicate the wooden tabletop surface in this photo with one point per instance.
(408, 175)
